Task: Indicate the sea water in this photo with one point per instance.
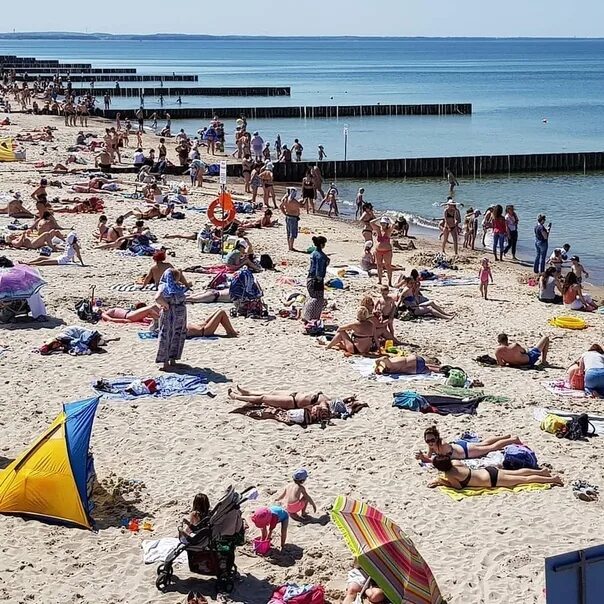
(528, 96)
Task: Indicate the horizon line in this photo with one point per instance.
(59, 34)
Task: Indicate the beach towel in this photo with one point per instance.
(156, 550)
(366, 368)
(597, 421)
(458, 495)
(283, 280)
(167, 386)
(153, 335)
(451, 281)
(350, 271)
(470, 393)
(561, 388)
(209, 270)
(131, 287)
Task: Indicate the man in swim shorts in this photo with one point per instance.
(290, 207)
(515, 355)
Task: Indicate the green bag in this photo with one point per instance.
(457, 378)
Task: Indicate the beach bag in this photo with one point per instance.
(577, 382)
(578, 428)
(314, 595)
(553, 423)
(517, 457)
(266, 262)
(85, 312)
(250, 308)
(457, 378)
(213, 169)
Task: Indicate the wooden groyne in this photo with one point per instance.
(129, 77)
(330, 111)
(51, 65)
(462, 167)
(194, 91)
(89, 72)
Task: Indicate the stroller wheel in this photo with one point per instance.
(161, 569)
(162, 582)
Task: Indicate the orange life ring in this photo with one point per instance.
(224, 205)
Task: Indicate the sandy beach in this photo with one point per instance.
(152, 455)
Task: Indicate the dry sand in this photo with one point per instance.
(482, 550)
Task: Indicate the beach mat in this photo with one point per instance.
(167, 386)
(153, 335)
(131, 287)
(366, 368)
(597, 421)
(459, 495)
(560, 388)
(349, 272)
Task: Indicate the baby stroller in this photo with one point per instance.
(246, 295)
(211, 545)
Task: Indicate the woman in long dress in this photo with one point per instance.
(173, 318)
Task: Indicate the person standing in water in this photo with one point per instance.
(452, 181)
(511, 221)
(359, 203)
(541, 243)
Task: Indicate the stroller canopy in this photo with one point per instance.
(244, 286)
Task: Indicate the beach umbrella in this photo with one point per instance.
(19, 282)
(385, 553)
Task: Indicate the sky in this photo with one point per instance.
(507, 18)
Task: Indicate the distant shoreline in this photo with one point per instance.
(182, 36)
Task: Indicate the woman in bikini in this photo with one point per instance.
(459, 476)
(268, 189)
(383, 329)
(280, 399)
(408, 299)
(412, 364)
(308, 192)
(461, 449)
(15, 208)
(139, 314)
(24, 241)
(452, 219)
(208, 328)
(573, 296)
(383, 251)
(247, 165)
(361, 339)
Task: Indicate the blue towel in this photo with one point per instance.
(152, 335)
(167, 386)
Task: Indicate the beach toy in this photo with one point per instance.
(223, 204)
(388, 344)
(261, 546)
(133, 525)
(568, 322)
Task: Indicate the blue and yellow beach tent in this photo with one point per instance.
(50, 480)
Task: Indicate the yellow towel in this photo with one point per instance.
(458, 495)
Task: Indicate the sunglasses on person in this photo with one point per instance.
(430, 441)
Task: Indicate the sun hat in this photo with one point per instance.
(262, 517)
(301, 474)
(384, 220)
(368, 245)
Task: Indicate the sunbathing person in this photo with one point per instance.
(25, 241)
(294, 408)
(46, 224)
(515, 355)
(155, 211)
(458, 476)
(15, 208)
(412, 364)
(72, 251)
(362, 338)
(383, 328)
(160, 266)
(358, 593)
(265, 221)
(84, 206)
(211, 324)
(138, 314)
(237, 258)
(461, 449)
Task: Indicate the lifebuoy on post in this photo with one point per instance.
(223, 205)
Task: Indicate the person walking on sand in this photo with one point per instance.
(484, 274)
(315, 281)
(541, 242)
(173, 318)
(290, 207)
(452, 219)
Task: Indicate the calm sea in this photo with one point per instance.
(514, 85)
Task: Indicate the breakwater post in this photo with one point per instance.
(193, 91)
(467, 166)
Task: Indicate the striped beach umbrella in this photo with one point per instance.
(385, 553)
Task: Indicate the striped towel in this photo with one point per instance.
(459, 494)
(131, 287)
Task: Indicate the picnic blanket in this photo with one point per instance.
(561, 388)
(366, 368)
(459, 494)
(166, 386)
(153, 335)
(131, 287)
(157, 550)
(597, 421)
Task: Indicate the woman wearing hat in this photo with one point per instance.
(383, 251)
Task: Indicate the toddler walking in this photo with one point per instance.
(484, 274)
